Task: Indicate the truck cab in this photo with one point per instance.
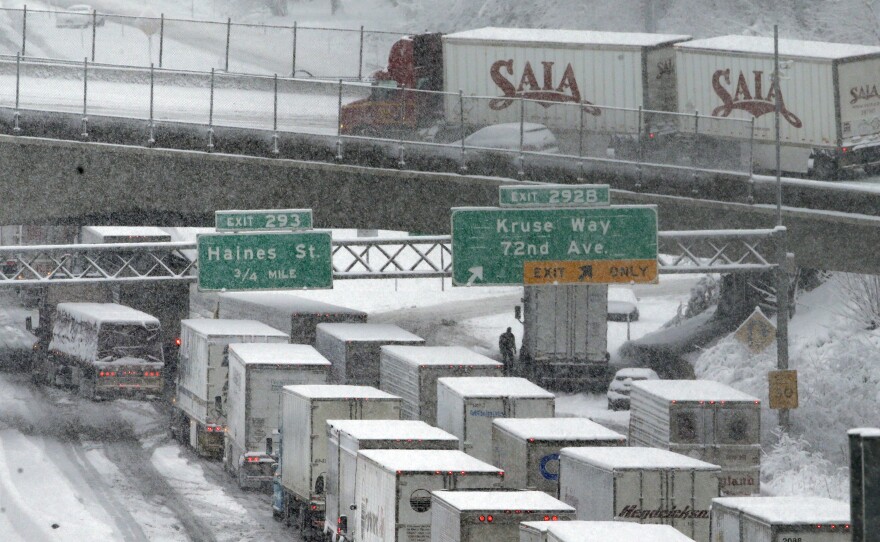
(414, 63)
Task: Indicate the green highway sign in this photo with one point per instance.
(265, 261)
(555, 195)
(264, 219)
(492, 246)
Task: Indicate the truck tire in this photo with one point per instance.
(86, 388)
(825, 169)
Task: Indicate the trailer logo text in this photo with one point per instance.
(757, 104)
(865, 92)
(634, 512)
(566, 91)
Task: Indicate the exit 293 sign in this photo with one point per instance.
(492, 246)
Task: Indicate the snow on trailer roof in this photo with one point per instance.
(289, 303)
(870, 432)
(438, 355)
(787, 48)
(337, 391)
(693, 390)
(428, 461)
(789, 510)
(635, 457)
(502, 500)
(618, 531)
(127, 231)
(277, 354)
(106, 313)
(368, 332)
(493, 386)
(390, 430)
(556, 429)
(231, 328)
(566, 38)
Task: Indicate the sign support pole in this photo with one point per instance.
(782, 311)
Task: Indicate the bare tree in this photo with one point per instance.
(861, 298)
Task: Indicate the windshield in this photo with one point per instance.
(129, 340)
(384, 91)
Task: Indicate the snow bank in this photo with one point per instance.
(838, 382)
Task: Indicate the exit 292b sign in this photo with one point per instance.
(492, 246)
(265, 261)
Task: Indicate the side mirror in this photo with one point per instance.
(28, 323)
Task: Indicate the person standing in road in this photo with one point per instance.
(507, 346)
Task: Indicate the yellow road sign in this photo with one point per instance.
(590, 272)
(757, 332)
(783, 389)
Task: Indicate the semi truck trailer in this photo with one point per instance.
(703, 419)
(199, 415)
(257, 372)
(411, 372)
(346, 438)
(305, 411)
(467, 406)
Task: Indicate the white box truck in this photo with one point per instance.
(467, 405)
(393, 496)
(103, 350)
(830, 108)
(565, 337)
(304, 414)
(199, 415)
(353, 349)
(642, 485)
(597, 531)
(296, 316)
(781, 519)
(257, 372)
(480, 516)
(348, 437)
(702, 419)
(528, 448)
(411, 372)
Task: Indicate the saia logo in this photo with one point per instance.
(566, 91)
(865, 92)
(756, 104)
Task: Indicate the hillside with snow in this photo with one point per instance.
(838, 364)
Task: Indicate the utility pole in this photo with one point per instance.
(782, 286)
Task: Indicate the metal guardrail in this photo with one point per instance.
(729, 251)
(198, 44)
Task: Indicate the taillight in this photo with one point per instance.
(490, 519)
(151, 373)
(252, 459)
(177, 341)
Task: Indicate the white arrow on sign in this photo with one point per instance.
(476, 274)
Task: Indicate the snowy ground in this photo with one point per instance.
(838, 383)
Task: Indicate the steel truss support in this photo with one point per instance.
(728, 251)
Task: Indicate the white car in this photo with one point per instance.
(535, 138)
(622, 304)
(618, 390)
(78, 16)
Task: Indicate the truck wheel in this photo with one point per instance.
(825, 169)
(86, 388)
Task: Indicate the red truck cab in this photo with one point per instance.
(414, 62)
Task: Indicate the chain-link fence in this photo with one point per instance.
(194, 45)
(465, 129)
(448, 131)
